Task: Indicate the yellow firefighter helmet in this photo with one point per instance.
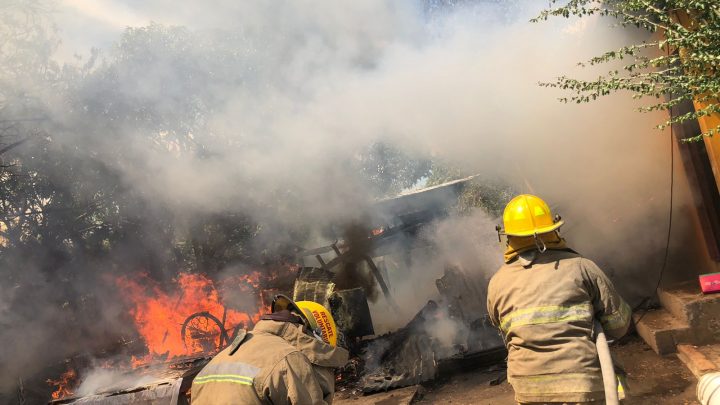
(320, 321)
(316, 317)
(527, 215)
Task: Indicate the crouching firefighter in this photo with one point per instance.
(546, 300)
(288, 358)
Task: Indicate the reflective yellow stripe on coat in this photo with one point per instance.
(546, 314)
(231, 378)
(230, 372)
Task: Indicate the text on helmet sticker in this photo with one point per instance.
(324, 323)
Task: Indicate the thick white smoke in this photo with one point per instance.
(320, 81)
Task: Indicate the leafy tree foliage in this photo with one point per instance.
(390, 170)
(686, 67)
(490, 195)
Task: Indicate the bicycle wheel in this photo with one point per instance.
(203, 332)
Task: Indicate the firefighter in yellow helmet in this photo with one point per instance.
(545, 300)
(288, 358)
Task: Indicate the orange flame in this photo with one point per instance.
(191, 319)
(63, 384)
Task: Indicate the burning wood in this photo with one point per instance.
(64, 384)
(190, 320)
(411, 355)
(199, 316)
(195, 317)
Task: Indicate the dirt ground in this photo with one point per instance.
(651, 379)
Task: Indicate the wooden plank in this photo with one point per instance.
(695, 361)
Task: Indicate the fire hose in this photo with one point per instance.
(606, 366)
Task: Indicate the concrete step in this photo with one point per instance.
(674, 300)
(661, 330)
(689, 305)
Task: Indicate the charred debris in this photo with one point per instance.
(344, 275)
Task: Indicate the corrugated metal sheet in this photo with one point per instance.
(159, 393)
(163, 384)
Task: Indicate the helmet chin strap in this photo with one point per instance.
(539, 244)
(316, 335)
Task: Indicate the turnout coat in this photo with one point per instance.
(545, 307)
(276, 363)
